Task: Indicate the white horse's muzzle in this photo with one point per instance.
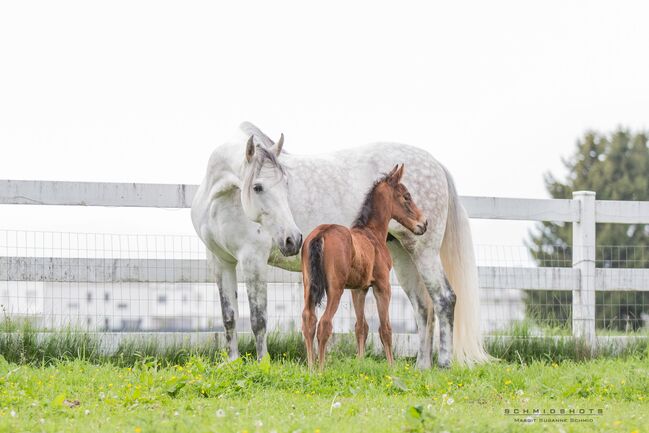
(291, 245)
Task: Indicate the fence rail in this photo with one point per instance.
(582, 279)
(111, 270)
(58, 193)
(113, 194)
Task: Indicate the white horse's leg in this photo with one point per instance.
(412, 284)
(254, 275)
(226, 280)
(432, 273)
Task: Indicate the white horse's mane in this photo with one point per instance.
(249, 129)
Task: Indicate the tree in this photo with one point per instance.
(616, 167)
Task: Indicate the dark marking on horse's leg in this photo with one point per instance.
(258, 316)
(445, 308)
(412, 284)
(229, 313)
(452, 299)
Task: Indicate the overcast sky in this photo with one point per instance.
(143, 91)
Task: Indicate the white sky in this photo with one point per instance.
(143, 91)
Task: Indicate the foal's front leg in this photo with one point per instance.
(382, 293)
(361, 328)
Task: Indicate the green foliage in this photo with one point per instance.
(525, 343)
(616, 167)
(22, 344)
(215, 395)
(62, 381)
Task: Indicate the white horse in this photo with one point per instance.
(256, 201)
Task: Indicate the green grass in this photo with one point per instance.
(525, 342)
(20, 343)
(211, 395)
(148, 387)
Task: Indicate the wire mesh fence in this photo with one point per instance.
(100, 282)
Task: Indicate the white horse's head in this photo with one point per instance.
(264, 195)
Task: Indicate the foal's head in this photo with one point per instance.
(402, 207)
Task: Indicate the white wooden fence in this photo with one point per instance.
(583, 211)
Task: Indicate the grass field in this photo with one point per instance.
(61, 385)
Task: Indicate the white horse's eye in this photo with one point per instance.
(258, 188)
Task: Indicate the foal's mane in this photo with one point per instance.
(365, 213)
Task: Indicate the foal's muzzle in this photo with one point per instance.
(291, 245)
(421, 228)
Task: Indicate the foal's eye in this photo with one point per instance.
(258, 187)
(407, 197)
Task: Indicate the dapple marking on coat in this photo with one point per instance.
(255, 201)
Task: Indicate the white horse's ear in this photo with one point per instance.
(250, 149)
(224, 185)
(277, 147)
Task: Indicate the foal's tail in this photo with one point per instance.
(460, 267)
(317, 277)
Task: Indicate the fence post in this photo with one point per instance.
(583, 258)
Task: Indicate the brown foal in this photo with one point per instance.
(335, 257)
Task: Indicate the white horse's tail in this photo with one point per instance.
(458, 259)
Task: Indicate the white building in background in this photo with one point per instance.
(196, 307)
(20, 300)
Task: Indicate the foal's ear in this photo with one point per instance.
(277, 147)
(250, 149)
(399, 173)
(396, 174)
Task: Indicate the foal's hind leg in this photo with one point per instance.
(309, 321)
(382, 294)
(325, 327)
(361, 328)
